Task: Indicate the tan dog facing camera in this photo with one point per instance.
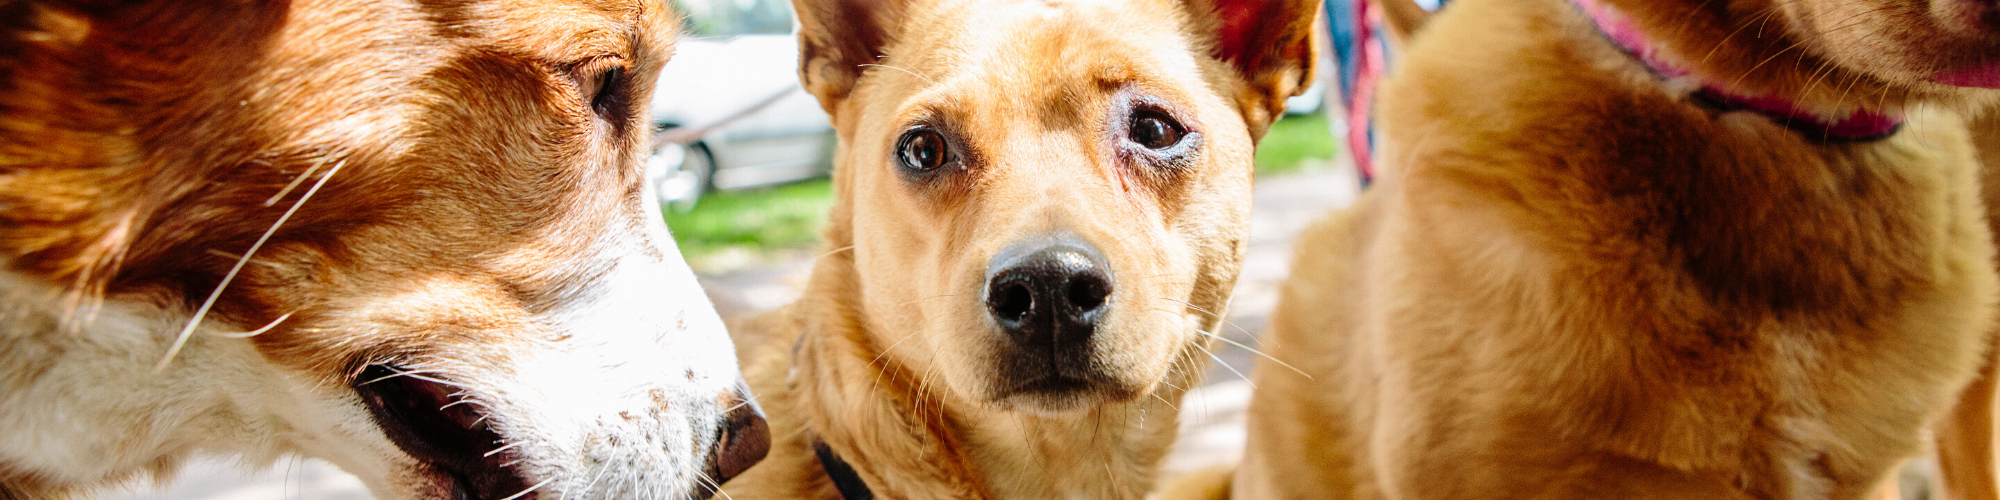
(1041, 211)
(1651, 249)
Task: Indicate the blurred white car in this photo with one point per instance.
(730, 108)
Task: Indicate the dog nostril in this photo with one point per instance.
(744, 440)
(1087, 292)
(1012, 302)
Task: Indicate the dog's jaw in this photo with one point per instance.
(468, 208)
(90, 410)
(624, 407)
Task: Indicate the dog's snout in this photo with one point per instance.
(1048, 293)
(743, 441)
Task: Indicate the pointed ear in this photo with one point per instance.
(836, 37)
(1268, 43)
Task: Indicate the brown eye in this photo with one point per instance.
(1154, 130)
(923, 149)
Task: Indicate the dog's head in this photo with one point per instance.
(1885, 50)
(1047, 201)
(469, 292)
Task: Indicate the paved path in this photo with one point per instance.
(1212, 422)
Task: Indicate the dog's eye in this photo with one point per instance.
(603, 94)
(1155, 130)
(923, 149)
(603, 84)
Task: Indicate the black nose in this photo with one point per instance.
(744, 439)
(1048, 293)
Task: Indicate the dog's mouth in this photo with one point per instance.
(1055, 385)
(431, 422)
(1058, 387)
(1059, 394)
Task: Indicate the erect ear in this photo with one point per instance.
(836, 37)
(1267, 42)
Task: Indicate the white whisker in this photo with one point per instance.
(496, 451)
(462, 402)
(415, 374)
(231, 256)
(1232, 369)
(912, 73)
(294, 185)
(531, 489)
(188, 331)
(830, 253)
(259, 331)
(1256, 352)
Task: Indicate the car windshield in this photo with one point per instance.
(725, 18)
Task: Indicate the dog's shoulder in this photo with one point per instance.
(767, 345)
(756, 334)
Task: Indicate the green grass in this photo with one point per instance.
(759, 221)
(1295, 143)
(727, 226)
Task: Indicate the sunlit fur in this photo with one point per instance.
(1573, 282)
(480, 223)
(896, 364)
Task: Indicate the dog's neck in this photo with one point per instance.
(85, 407)
(1630, 37)
(908, 437)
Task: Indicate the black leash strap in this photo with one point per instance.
(844, 479)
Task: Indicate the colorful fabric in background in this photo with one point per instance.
(1361, 56)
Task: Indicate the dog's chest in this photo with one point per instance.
(1818, 302)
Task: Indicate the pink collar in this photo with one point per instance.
(1860, 125)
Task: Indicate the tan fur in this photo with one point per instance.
(887, 359)
(1572, 282)
(480, 212)
(1965, 437)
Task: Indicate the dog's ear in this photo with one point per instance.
(836, 37)
(1268, 42)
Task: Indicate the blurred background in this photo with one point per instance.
(740, 160)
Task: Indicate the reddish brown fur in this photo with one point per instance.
(139, 140)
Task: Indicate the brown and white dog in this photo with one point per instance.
(1651, 249)
(409, 238)
(1040, 211)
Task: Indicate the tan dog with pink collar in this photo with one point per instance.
(1651, 249)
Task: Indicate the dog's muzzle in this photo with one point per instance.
(429, 419)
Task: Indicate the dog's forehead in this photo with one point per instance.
(562, 31)
(1037, 53)
(1119, 40)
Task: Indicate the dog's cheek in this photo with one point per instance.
(1170, 314)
